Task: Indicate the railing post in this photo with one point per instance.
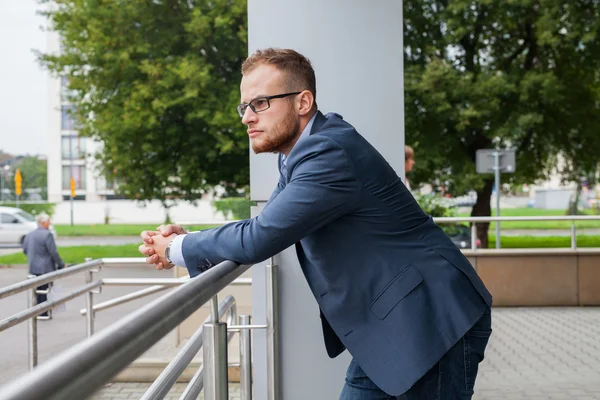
(272, 331)
(245, 359)
(32, 329)
(90, 315)
(573, 236)
(215, 361)
(473, 236)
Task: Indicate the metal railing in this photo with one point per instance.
(475, 220)
(84, 368)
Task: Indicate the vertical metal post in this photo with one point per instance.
(245, 359)
(473, 236)
(71, 174)
(497, 176)
(32, 329)
(214, 309)
(90, 315)
(214, 344)
(272, 332)
(573, 236)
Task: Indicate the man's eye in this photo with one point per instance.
(260, 103)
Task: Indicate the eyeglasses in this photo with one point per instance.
(261, 103)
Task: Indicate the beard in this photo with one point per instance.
(281, 137)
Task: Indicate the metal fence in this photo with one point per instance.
(83, 369)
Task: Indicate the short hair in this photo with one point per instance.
(409, 153)
(299, 72)
(41, 218)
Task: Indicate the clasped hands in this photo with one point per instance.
(156, 242)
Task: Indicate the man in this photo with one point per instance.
(392, 288)
(42, 255)
(409, 163)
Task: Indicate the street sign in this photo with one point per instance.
(486, 161)
(72, 187)
(18, 182)
(495, 162)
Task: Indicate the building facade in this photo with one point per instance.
(69, 155)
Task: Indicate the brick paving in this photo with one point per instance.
(534, 353)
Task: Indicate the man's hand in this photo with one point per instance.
(165, 230)
(155, 251)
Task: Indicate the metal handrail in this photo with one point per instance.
(84, 368)
(168, 377)
(147, 291)
(47, 278)
(498, 220)
(531, 218)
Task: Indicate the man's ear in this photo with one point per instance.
(305, 102)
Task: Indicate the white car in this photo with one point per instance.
(15, 224)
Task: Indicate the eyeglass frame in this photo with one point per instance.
(267, 98)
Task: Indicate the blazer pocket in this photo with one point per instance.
(395, 291)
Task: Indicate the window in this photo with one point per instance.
(73, 147)
(68, 119)
(104, 184)
(64, 89)
(8, 219)
(78, 175)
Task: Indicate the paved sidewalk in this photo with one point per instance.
(534, 353)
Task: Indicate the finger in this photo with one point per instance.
(153, 259)
(145, 250)
(147, 236)
(160, 266)
(166, 230)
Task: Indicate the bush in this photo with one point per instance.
(238, 207)
(33, 208)
(436, 206)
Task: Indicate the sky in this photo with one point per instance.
(23, 82)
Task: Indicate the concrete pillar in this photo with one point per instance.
(356, 50)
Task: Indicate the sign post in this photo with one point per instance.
(72, 197)
(496, 161)
(18, 185)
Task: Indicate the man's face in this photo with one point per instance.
(45, 224)
(273, 130)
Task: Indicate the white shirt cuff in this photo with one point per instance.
(176, 252)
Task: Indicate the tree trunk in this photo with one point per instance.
(482, 208)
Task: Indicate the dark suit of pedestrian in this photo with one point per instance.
(42, 256)
(392, 287)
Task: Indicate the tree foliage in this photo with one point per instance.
(519, 74)
(157, 82)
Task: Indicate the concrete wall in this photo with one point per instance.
(540, 277)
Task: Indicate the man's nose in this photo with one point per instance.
(249, 116)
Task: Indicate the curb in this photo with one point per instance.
(148, 369)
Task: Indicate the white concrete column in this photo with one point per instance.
(356, 50)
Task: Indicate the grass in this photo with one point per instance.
(77, 254)
(539, 242)
(112, 230)
(532, 212)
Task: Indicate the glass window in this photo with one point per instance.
(67, 118)
(25, 215)
(78, 175)
(73, 147)
(8, 219)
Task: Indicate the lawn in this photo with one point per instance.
(77, 254)
(112, 230)
(533, 212)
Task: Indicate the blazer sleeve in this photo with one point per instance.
(323, 187)
(51, 246)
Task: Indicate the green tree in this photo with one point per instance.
(157, 82)
(34, 172)
(519, 74)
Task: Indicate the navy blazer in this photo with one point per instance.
(392, 287)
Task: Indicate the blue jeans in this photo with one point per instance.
(452, 378)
